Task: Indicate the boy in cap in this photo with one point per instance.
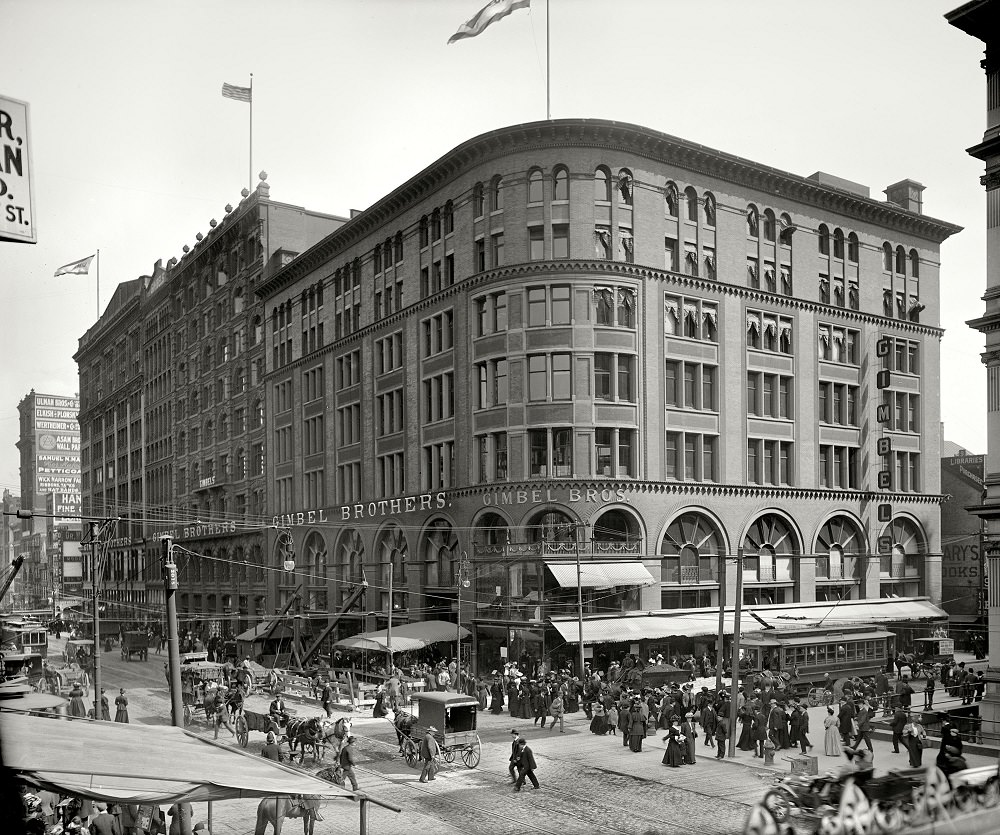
(513, 754)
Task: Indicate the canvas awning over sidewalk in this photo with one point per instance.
(695, 623)
(406, 636)
(601, 575)
(122, 763)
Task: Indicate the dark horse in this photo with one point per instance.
(304, 732)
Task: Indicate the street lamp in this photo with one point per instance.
(462, 582)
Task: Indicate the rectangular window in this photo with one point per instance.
(561, 377)
(560, 240)
(560, 305)
(538, 452)
(671, 393)
(626, 364)
(537, 377)
(691, 456)
(602, 376)
(536, 243)
(671, 468)
(536, 307)
(497, 249)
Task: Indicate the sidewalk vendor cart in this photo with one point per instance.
(454, 715)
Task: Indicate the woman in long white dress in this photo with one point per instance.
(831, 739)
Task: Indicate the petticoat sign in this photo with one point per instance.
(17, 206)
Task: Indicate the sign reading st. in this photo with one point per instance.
(17, 206)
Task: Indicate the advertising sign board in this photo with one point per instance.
(17, 199)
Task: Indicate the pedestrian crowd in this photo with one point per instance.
(50, 813)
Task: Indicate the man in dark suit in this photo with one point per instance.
(775, 723)
(898, 723)
(844, 717)
(515, 738)
(525, 765)
(864, 720)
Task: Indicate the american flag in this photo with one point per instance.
(490, 13)
(231, 91)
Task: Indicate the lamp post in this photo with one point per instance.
(462, 582)
(579, 596)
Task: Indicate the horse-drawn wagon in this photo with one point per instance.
(135, 643)
(250, 720)
(195, 692)
(455, 714)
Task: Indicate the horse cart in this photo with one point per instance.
(249, 720)
(135, 643)
(454, 716)
(195, 693)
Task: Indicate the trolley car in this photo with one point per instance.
(803, 656)
(454, 716)
(19, 634)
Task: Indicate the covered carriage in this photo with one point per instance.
(454, 717)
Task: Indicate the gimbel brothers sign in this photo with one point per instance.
(17, 206)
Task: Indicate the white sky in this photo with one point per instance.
(135, 150)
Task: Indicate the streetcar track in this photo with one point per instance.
(654, 822)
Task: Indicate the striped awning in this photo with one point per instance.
(600, 575)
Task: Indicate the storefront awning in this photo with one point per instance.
(600, 575)
(113, 762)
(698, 623)
(406, 636)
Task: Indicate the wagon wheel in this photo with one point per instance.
(410, 753)
(242, 731)
(813, 697)
(448, 754)
(778, 803)
(471, 753)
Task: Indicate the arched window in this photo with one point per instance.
(553, 526)
(224, 426)
(351, 559)
(753, 221)
(240, 472)
(440, 548)
(238, 301)
(768, 548)
(625, 183)
(670, 199)
(397, 242)
(900, 260)
(258, 330)
(887, 257)
(391, 554)
(436, 225)
(908, 548)
(613, 529)
(560, 183)
(823, 236)
(709, 209)
(535, 186)
(836, 544)
(258, 413)
(491, 531)
(690, 550)
(691, 198)
(209, 432)
(449, 227)
(602, 185)
(423, 232)
(838, 244)
(914, 264)
(478, 200)
(785, 230)
(852, 248)
(769, 225)
(496, 194)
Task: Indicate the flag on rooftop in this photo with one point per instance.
(231, 91)
(490, 13)
(81, 267)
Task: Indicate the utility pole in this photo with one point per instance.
(721, 641)
(173, 645)
(734, 695)
(388, 628)
(463, 582)
(95, 583)
(579, 597)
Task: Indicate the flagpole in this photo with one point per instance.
(98, 284)
(548, 98)
(250, 171)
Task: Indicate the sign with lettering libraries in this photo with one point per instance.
(17, 199)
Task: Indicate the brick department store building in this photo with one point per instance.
(581, 337)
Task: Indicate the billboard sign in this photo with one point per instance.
(17, 199)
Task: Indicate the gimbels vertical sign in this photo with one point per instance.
(17, 200)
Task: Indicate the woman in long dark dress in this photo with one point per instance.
(121, 707)
(599, 724)
(673, 755)
(636, 728)
(745, 717)
(688, 737)
(496, 694)
(77, 707)
(783, 738)
(513, 699)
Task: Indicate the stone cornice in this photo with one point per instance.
(618, 136)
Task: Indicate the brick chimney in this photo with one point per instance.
(908, 194)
